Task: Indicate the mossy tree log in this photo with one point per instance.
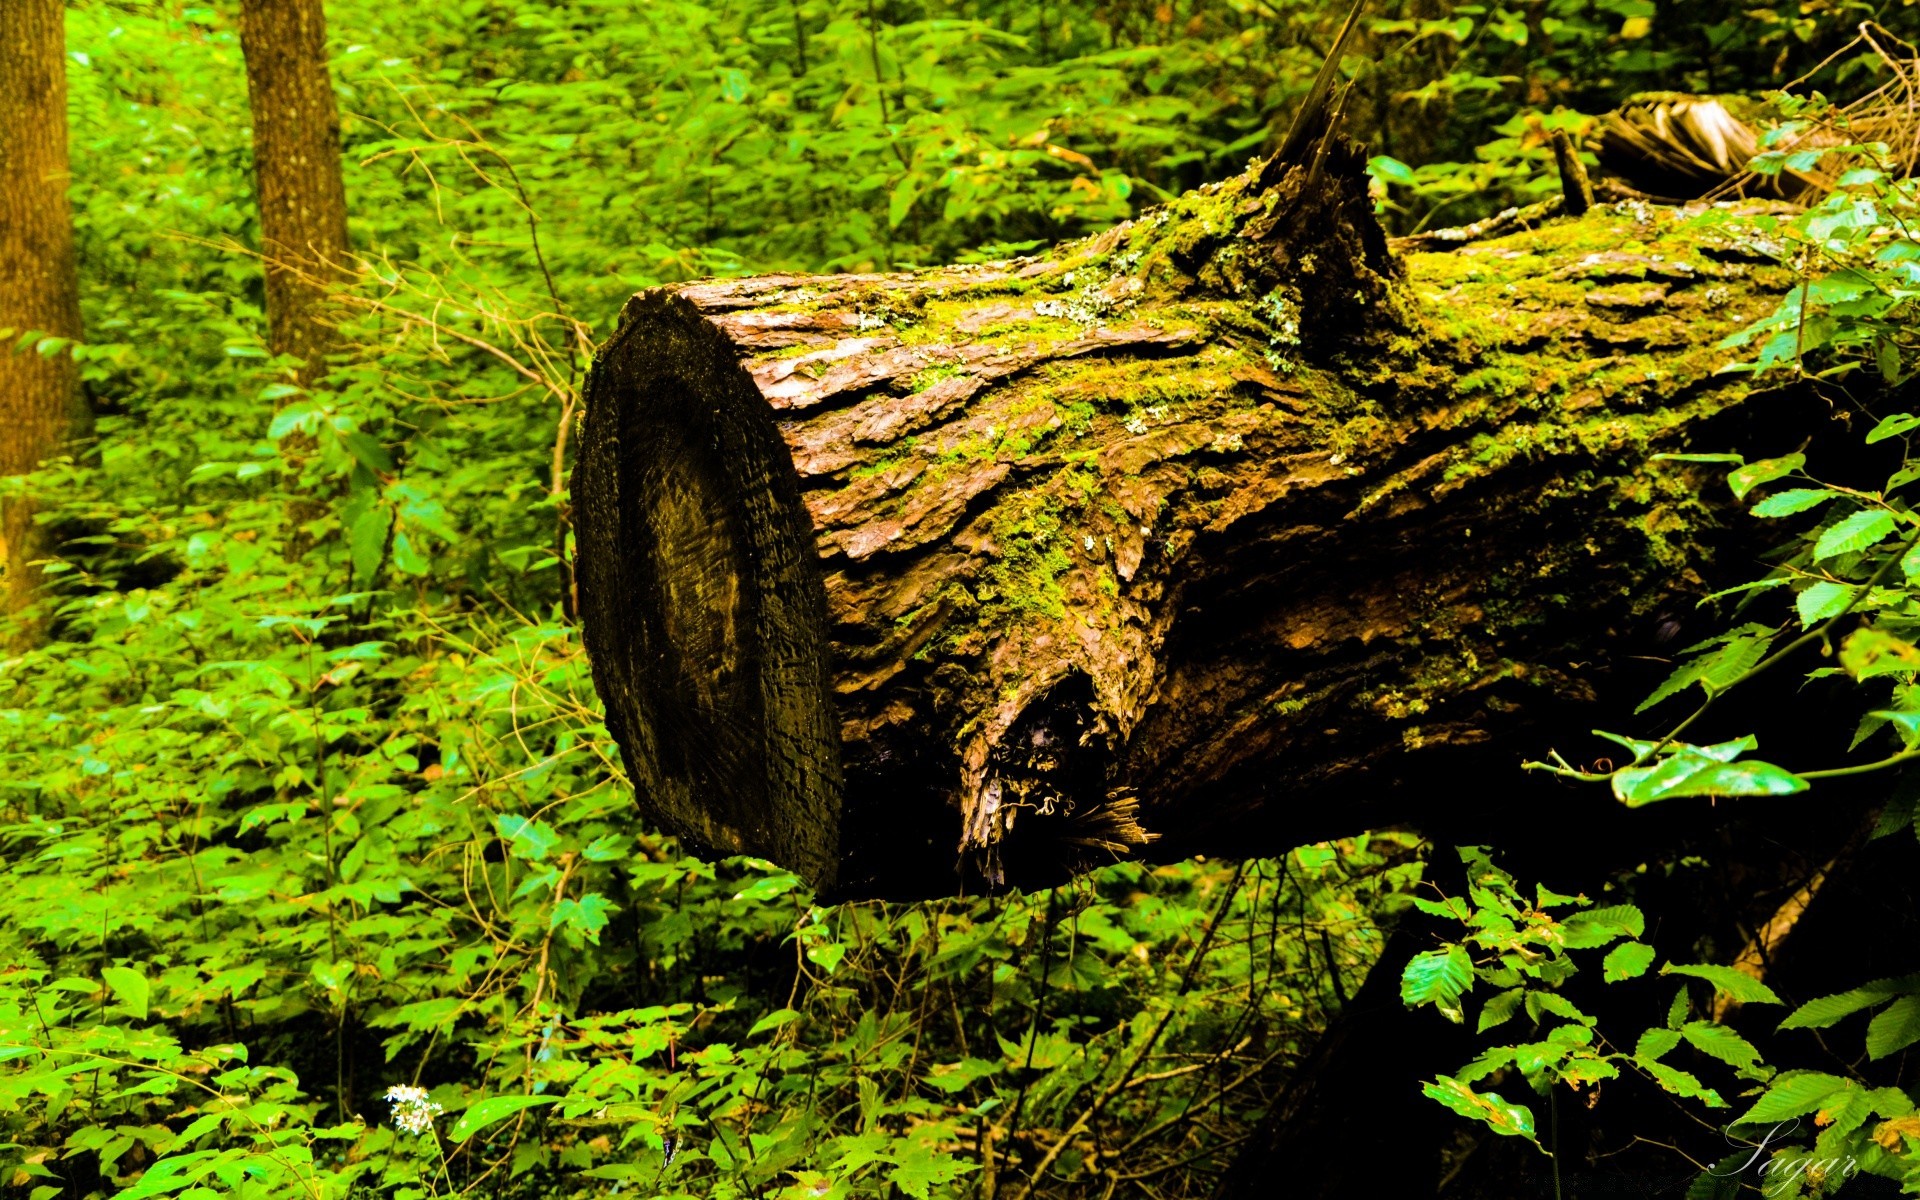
(1193, 536)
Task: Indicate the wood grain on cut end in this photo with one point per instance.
(700, 598)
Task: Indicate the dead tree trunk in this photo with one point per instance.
(1165, 541)
(40, 400)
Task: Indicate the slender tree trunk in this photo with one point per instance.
(296, 159)
(40, 402)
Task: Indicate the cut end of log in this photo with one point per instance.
(700, 599)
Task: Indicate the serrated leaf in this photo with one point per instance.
(1791, 501)
(1830, 1010)
(1744, 479)
(1627, 961)
(1655, 1044)
(1793, 1094)
(1821, 600)
(1500, 1009)
(1437, 977)
(1598, 926)
(1680, 1083)
(1720, 1042)
(1853, 533)
(1742, 987)
(1894, 1028)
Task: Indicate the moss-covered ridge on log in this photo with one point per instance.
(1155, 534)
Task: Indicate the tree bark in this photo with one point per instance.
(40, 401)
(1215, 533)
(296, 162)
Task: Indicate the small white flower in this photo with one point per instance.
(1136, 426)
(413, 1110)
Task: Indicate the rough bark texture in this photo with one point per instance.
(1211, 533)
(40, 402)
(296, 162)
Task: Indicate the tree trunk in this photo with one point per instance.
(1215, 533)
(296, 162)
(40, 401)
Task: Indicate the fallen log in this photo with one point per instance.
(1196, 535)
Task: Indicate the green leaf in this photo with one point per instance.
(1830, 1010)
(367, 541)
(586, 916)
(1655, 1044)
(1745, 479)
(130, 987)
(1854, 533)
(901, 202)
(1869, 652)
(1438, 977)
(1821, 600)
(526, 837)
(406, 556)
(1628, 960)
(1793, 1094)
(1598, 926)
(1500, 1009)
(1680, 1083)
(368, 452)
(491, 1111)
(1704, 771)
(1720, 1042)
(773, 1020)
(1894, 1028)
(1744, 988)
(1791, 501)
(1512, 1120)
(1893, 426)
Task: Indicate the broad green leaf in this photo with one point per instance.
(1655, 1044)
(773, 1020)
(493, 1110)
(586, 916)
(1745, 479)
(1626, 961)
(1893, 426)
(1894, 1027)
(367, 541)
(1500, 1009)
(1793, 1094)
(1853, 533)
(1598, 926)
(1822, 600)
(1699, 771)
(1830, 1010)
(407, 556)
(1437, 977)
(1721, 1043)
(1512, 1120)
(1740, 986)
(1870, 652)
(130, 987)
(527, 837)
(1791, 501)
